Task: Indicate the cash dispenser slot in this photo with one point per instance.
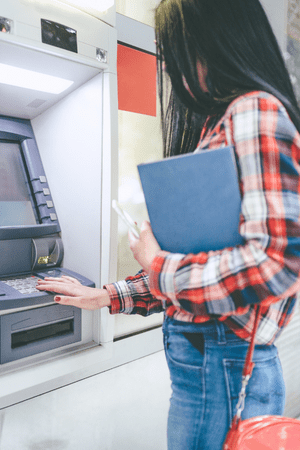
(30, 332)
(38, 334)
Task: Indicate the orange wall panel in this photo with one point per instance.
(136, 81)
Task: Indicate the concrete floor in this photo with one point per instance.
(122, 409)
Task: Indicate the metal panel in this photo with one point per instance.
(30, 332)
(136, 34)
(289, 351)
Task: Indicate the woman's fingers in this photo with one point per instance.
(62, 287)
(74, 301)
(145, 247)
(88, 303)
(71, 292)
(63, 279)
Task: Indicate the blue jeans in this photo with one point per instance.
(206, 363)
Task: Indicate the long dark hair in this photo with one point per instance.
(234, 40)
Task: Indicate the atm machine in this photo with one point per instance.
(30, 248)
(58, 130)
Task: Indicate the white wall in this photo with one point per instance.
(142, 11)
(277, 14)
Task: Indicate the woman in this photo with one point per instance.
(227, 84)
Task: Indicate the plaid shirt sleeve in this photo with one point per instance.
(133, 296)
(266, 268)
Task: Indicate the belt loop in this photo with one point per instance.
(221, 332)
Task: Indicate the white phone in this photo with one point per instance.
(126, 218)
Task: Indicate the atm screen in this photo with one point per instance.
(15, 199)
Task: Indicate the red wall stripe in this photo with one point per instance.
(136, 81)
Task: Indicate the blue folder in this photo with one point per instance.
(193, 201)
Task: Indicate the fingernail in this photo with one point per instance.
(57, 299)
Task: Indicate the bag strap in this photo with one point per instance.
(247, 371)
(249, 364)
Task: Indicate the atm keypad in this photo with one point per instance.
(24, 285)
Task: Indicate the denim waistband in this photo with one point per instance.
(212, 330)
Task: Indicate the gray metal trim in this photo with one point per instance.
(137, 34)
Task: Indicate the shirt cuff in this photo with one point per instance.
(162, 276)
(120, 297)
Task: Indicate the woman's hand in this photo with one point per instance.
(74, 293)
(144, 248)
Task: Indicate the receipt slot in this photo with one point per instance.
(28, 333)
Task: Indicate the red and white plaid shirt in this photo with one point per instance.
(226, 284)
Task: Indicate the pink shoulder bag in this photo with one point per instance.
(262, 432)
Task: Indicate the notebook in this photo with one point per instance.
(193, 200)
